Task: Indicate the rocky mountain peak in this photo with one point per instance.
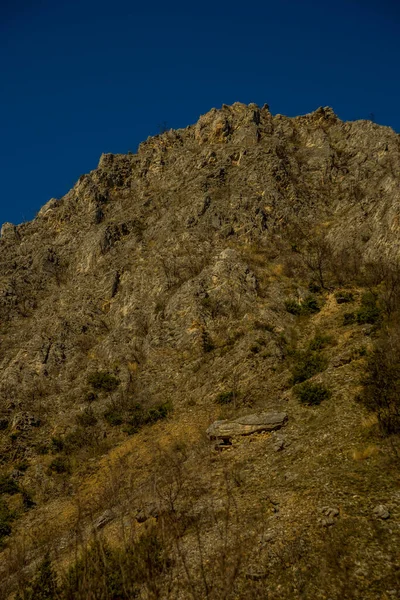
(234, 276)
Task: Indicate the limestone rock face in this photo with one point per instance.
(255, 423)
(170, 271)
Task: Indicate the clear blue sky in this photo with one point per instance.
(82, 77)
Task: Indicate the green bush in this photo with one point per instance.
(308, 306)
(312, 393)
(306, 365)
(3, 424)
(42, 448)
(57, 444)
(136, 416)
(114, 416)
(8, 485)
(86, 418)
(369, 312)
(103, 381)
(225, 398)
(157, 413)
(255, 349)
(349, 318)
(6, 517)
(90, 397)
(319, 342)
(313, 287)
(208, 344)
(22, 466)
(27, 500)
(59, 465)
(293, 307)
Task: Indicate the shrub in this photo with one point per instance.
(293, 307)
(42, 448)
(369, 311)
(6, 517)
(90, 397)
(208, 344)
(86, 418)
(57, 445)
(225, 398)
(27, 500)
(307, 307)
(103, 381)
(136, 416)
(157, 413)
(381, 391)
(59, 465)
(255, 349)
(3, 424)
(307, 365)
(113, 415)
(319, 342)
(22, 466)
(312, 393)
(314, 288)
(8, 485)
(349, 318)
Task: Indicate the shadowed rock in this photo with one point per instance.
(247, 425)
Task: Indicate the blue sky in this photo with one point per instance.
(79, 78)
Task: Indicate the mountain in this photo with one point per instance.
(243, 269)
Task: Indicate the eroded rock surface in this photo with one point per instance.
(246, 425)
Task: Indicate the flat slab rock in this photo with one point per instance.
(247, 425)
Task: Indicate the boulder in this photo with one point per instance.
(381, 512)
(246, 425)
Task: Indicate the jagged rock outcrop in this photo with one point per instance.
(247, 425)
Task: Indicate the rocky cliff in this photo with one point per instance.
(187, 283)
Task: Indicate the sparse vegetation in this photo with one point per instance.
(163, 277)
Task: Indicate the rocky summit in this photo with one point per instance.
(236, 280)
